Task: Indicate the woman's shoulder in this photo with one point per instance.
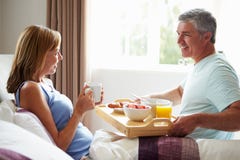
(30, 86)
(30, 94)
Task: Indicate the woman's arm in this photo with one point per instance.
(32, 99)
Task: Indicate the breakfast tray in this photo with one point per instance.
(148, 127)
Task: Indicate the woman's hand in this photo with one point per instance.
(85, 101)
(88, 88)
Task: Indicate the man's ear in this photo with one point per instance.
(207, 36)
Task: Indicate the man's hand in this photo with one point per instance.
(183, 125)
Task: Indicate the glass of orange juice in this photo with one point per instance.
(164, 109)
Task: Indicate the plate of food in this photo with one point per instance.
(117, 105)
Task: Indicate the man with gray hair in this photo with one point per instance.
(210, 95)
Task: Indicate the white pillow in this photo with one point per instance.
(7, 110)
(4, 95)
(24, 119)
(15, 138)
(30, 122)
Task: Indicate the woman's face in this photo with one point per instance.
(51, 61)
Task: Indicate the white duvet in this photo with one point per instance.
(14, 138)
(23, 133)
(108, 146)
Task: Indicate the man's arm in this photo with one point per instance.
(227, 120)
(174, 95)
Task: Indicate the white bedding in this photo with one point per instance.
(24, 133)
(24, 119)
(108, 146)
(117, 147)
(212, 149)
(26, 143)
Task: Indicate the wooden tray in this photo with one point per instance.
(149, 127)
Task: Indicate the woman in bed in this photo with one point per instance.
(37, 55)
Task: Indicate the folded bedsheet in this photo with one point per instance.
(6, 154)
(167, 148)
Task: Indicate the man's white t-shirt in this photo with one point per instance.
(210, 88)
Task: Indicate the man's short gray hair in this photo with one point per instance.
(202, 20)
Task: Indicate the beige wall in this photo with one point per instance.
(15, 15)
(0, 24)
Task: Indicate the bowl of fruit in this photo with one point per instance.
(136, 112)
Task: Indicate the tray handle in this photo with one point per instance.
(160, 122)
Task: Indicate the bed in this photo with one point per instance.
(109, 145)
(21, 130)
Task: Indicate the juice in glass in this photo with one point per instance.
(154, 102)
(163, 111)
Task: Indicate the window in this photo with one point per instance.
(127, 33)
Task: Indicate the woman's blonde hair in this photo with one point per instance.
(30, 54)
